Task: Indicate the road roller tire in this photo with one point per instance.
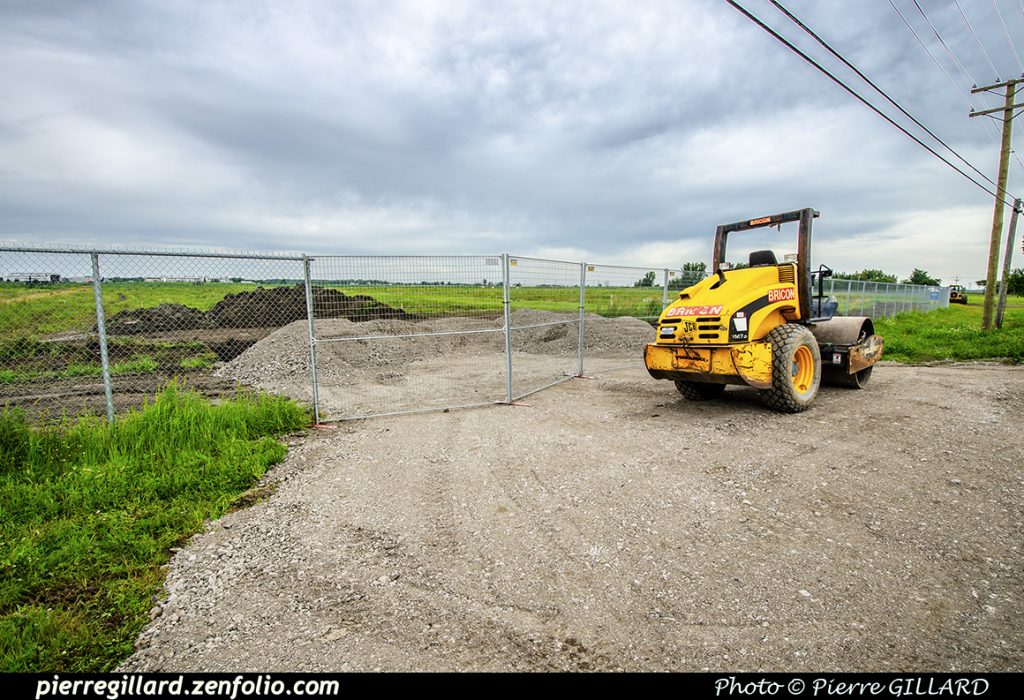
(699, 391)
(796, 369)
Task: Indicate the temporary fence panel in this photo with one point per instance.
(617, 290)
(406, 334)
(182, 315)
(545, 317)
(884, 300)
(49, 346)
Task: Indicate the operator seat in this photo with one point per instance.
(762, 257)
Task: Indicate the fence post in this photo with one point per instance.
(863, 297)
(664, 291)
(506, 303)
(312, 338)
(101, 331)
(583, 301)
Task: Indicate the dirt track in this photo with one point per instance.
(611, 525)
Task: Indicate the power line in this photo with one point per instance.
(877, 89)
(782, 40)
(956, 61)
(1006, 33)
(956, 88)
(931, 55)
(975, 35)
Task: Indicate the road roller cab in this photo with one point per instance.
(766, 324)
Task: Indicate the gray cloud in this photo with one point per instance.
(606, 130)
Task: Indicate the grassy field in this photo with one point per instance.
(954, 334)
(47, 310)
(89, 512)
(43, 327)
(61, 308)
(38, 324)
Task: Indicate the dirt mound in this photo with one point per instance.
(260, 308)
(157, 319)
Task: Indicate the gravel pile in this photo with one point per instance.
(283, 356)
(602, 336)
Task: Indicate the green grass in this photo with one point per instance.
(42, 310)
(954, 334)
(204, 361)
(60, 308)
(35, 311)
(89, 511)
(438, 300)
(142, 364)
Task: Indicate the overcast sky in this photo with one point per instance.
(616, 132)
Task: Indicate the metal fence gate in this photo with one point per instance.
(381, 315)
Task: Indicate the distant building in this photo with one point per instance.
(174, 279)
(193, 280)
(38, 277)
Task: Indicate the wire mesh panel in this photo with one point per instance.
(544, 319)
(49, 350)
(884, 300)
(403, 334)
(204, 319)
(622, 304)
(615, 290)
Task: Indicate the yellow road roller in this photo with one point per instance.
(766, 324)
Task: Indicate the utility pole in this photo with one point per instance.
(997, 215)
(1007, 257)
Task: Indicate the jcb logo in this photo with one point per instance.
(784, 294)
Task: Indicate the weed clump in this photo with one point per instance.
(90, 510)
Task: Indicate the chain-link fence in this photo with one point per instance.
(882, 299)
(385, 330)
(162, 315)
(355, 336)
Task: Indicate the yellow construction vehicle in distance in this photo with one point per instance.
(764, 325)
(957, 294)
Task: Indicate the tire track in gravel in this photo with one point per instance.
(612, 525)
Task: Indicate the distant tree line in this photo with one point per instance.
(918, 276)
(694, 271)
(866, 276)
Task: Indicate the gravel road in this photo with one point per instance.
(611, 525)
